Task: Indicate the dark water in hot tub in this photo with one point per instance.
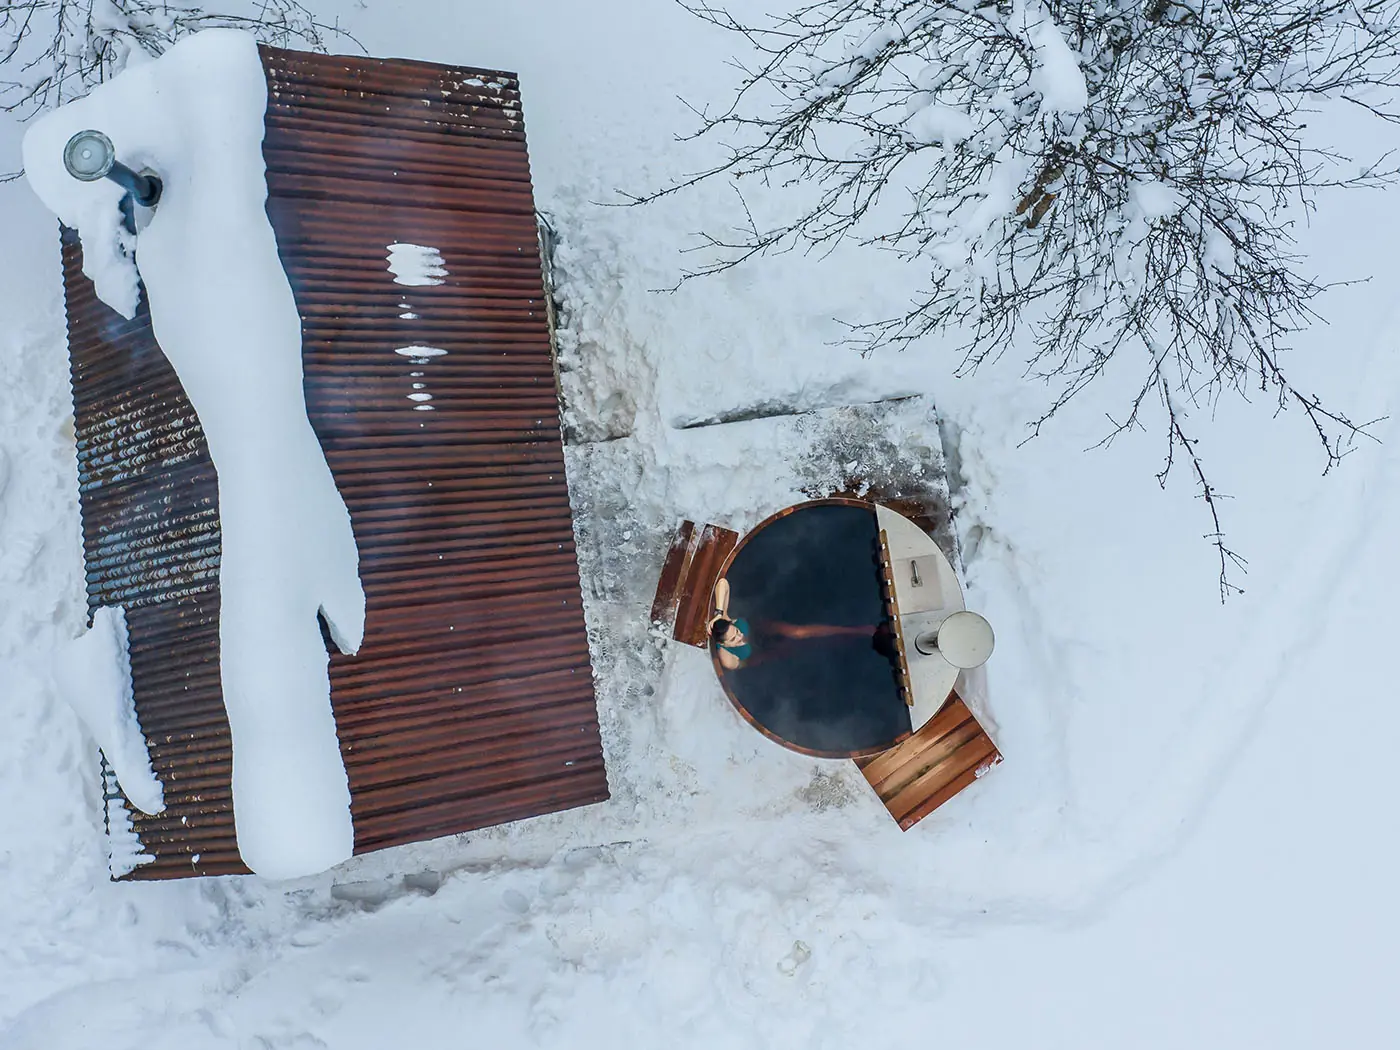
(816, 566)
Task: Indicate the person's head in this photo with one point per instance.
(724, 632)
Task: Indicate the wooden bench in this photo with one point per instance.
(915, 777)
(686, 589)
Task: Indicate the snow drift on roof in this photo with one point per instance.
(223, 312)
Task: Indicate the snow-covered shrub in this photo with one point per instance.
(52, 51)
(1081, 178)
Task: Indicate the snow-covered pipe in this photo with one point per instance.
(90, 156)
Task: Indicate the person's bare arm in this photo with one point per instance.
(728, 660)
(722, 597)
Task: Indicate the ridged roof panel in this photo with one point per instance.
(471, 702)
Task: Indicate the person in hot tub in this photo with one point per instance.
(730, 636)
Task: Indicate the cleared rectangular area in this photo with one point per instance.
(471, 702)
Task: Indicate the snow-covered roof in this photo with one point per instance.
(400, 196)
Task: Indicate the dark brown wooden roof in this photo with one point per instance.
(471, 702)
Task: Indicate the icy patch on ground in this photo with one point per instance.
(416, 265)
(93, 675)
(223, 312)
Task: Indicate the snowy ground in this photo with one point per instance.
(1189, 843)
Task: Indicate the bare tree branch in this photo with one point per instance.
(52, 51)
(1081, 178)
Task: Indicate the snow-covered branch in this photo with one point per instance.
(1085, 177)
(52, 51)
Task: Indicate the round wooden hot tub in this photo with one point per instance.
(823, 676)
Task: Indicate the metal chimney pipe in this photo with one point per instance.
(90, 156)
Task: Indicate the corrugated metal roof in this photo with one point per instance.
(471, 702)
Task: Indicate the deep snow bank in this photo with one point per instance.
(224, 314)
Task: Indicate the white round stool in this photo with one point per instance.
(965, 640)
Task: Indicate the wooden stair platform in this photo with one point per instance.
(915, 777)
(685, 592)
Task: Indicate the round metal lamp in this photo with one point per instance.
(89, 156)
(964, 639)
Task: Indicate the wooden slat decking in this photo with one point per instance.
(687, 584)
(673, 573)
(917, 776)
(697, 592)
